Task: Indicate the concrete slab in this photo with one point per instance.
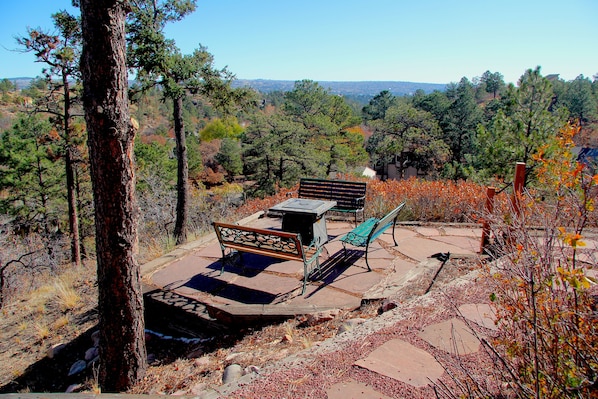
(263, 288)
(320, 295)
(452, 336)
(427, 231)
(467, 244)
(402, 233)
(181, 271)
(393, 281)
(380, 264)
(479, 313)
(376, 251)
(266, 223)
(333, 247)
(356, 280)
(353, 390)
(193, 270)
(211, 251)
(336, 228)
(420, 249)
(337, 224)
(387, 237)
(404, 362)
(291, 268)
(474, 232)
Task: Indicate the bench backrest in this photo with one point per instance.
(343, 192)
(384, 223)
(276, 243)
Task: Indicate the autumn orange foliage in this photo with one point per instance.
(431, 201)
(544, 295)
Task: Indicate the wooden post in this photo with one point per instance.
(518, 185)
(489, 207)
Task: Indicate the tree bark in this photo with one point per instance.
(180, 227)
(70, 177)
(123, 359)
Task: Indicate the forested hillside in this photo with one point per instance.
(364, 90)
(191, 145)
(475, 129)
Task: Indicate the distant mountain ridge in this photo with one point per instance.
(345, 88)
(357, 88)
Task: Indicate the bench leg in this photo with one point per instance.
(304, 285)
(230, 259)
(366, 257)
(307, 273)
(305, 277)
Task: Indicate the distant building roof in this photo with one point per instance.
(368, 172)
(588, 156)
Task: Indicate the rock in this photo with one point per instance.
(202, 362)
(287, 338)
(92, 353)
(77, 367)
(232, 373)
(95, 338)
(198, 389)
(151, 358)
(233, 356)
(386, 306)
(322, 317)
(74, 388)
(54, 349)
(251, 370)
(195, 353)
(349, 325)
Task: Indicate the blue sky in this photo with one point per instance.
(435, 41)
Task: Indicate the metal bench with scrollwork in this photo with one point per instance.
(274, 243)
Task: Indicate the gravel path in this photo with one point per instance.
(312, 373)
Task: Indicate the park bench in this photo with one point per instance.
(349, 195)
(235, 239)
(365, 233)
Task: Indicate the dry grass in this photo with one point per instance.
(67, 298)
(59, 312)
(54, 313)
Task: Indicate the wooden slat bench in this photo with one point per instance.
(274, 243)
(349, 195)
(365, 233)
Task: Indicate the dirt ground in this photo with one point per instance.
(175, 364)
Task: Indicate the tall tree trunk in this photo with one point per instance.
(180, 227)
(70, 177)
(80, 228)
(182, 184)
(123, 359)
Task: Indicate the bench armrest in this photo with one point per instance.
(355, 239)
(359, 202)
(313, 245)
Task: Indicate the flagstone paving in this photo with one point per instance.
(452, 336)
(480, 313)
(353, 390)
(344, 282)
(404, 362)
